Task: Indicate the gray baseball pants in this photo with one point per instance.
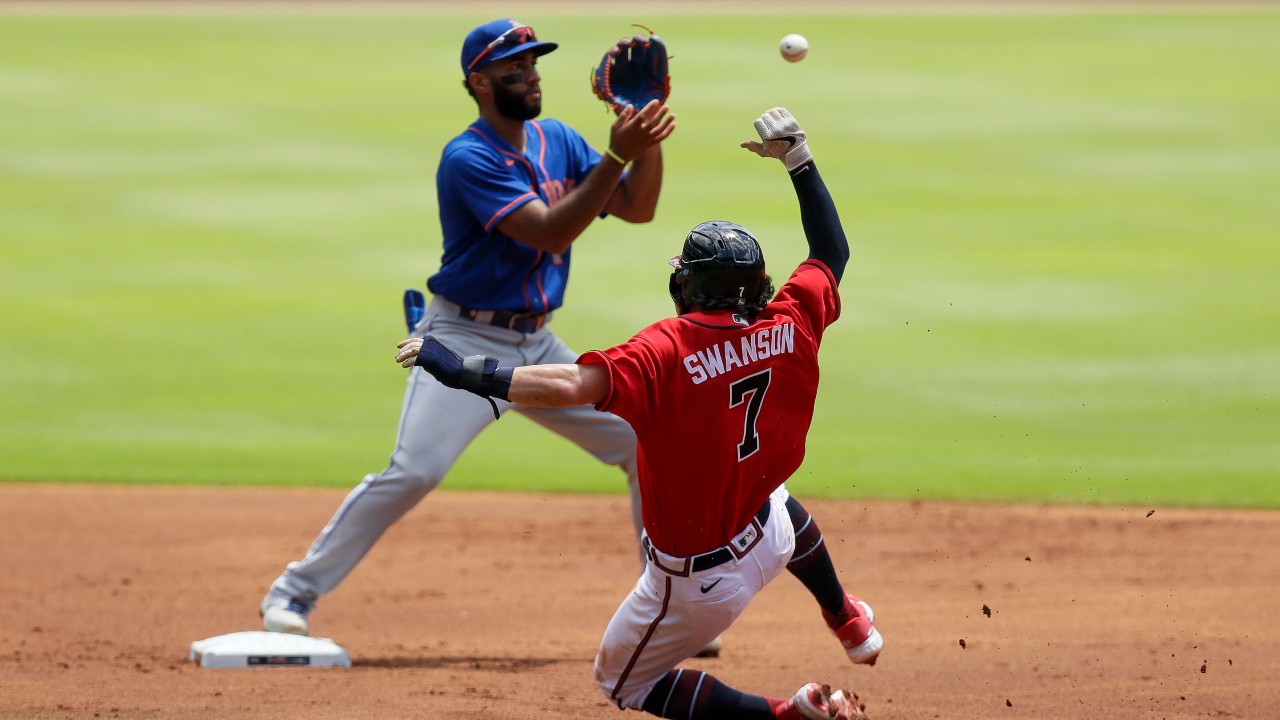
(436, 425)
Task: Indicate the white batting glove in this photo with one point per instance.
(781, 138)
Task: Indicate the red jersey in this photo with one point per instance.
(721, 407)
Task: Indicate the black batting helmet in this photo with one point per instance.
(721, 267)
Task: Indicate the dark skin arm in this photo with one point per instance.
(636, 199)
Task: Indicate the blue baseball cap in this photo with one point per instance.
(497, 40)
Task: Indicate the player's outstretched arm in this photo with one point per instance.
(782, 138)
(536, 385)
(822, 227)
(635, 136)
(559, 385)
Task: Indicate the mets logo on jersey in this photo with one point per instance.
(722, 357)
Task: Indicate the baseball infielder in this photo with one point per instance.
(740, 374)
(514, 194)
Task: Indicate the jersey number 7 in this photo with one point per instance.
(750, 389)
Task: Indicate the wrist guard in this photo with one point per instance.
(478, 374)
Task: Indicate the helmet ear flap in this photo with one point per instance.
(677, 292)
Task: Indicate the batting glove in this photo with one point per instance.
(781, 138)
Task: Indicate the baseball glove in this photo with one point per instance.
(633, 72)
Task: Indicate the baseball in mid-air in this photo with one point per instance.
(793, 47)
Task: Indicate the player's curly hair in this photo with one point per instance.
(748, 309)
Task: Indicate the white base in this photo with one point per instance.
(267, 649)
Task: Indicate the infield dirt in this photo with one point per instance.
(490, 606)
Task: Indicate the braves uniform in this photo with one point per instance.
(493, 296)
(715, 518)
(721, 398)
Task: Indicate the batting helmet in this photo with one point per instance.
(721, 267)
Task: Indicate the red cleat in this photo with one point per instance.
(861, 641)
(815, 701)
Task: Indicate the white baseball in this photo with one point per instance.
(793, 47)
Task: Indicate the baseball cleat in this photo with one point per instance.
(285, 615)
(815, 701)
(844, 704)
(861, 641)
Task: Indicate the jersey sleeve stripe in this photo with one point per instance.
(488, 226)
(542, 146)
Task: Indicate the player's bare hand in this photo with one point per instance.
(635, 131)
(408, 354)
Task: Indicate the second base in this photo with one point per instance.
(267, 649)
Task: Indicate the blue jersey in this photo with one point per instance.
(481, 180)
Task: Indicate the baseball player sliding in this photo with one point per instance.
(739, 373)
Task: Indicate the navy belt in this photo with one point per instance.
(739, 546)
(520, 322)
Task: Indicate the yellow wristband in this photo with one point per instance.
(609, 151)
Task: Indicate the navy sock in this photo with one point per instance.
(811, 563)
(695, 695)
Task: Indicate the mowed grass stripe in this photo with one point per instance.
(1063, 228)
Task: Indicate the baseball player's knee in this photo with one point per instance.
(627, 698)
(415, 479)
(620, 455)
(610, 678)
(423, 480)
(606, 685)
(616, 445)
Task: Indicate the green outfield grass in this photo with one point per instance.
(1066, 235)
